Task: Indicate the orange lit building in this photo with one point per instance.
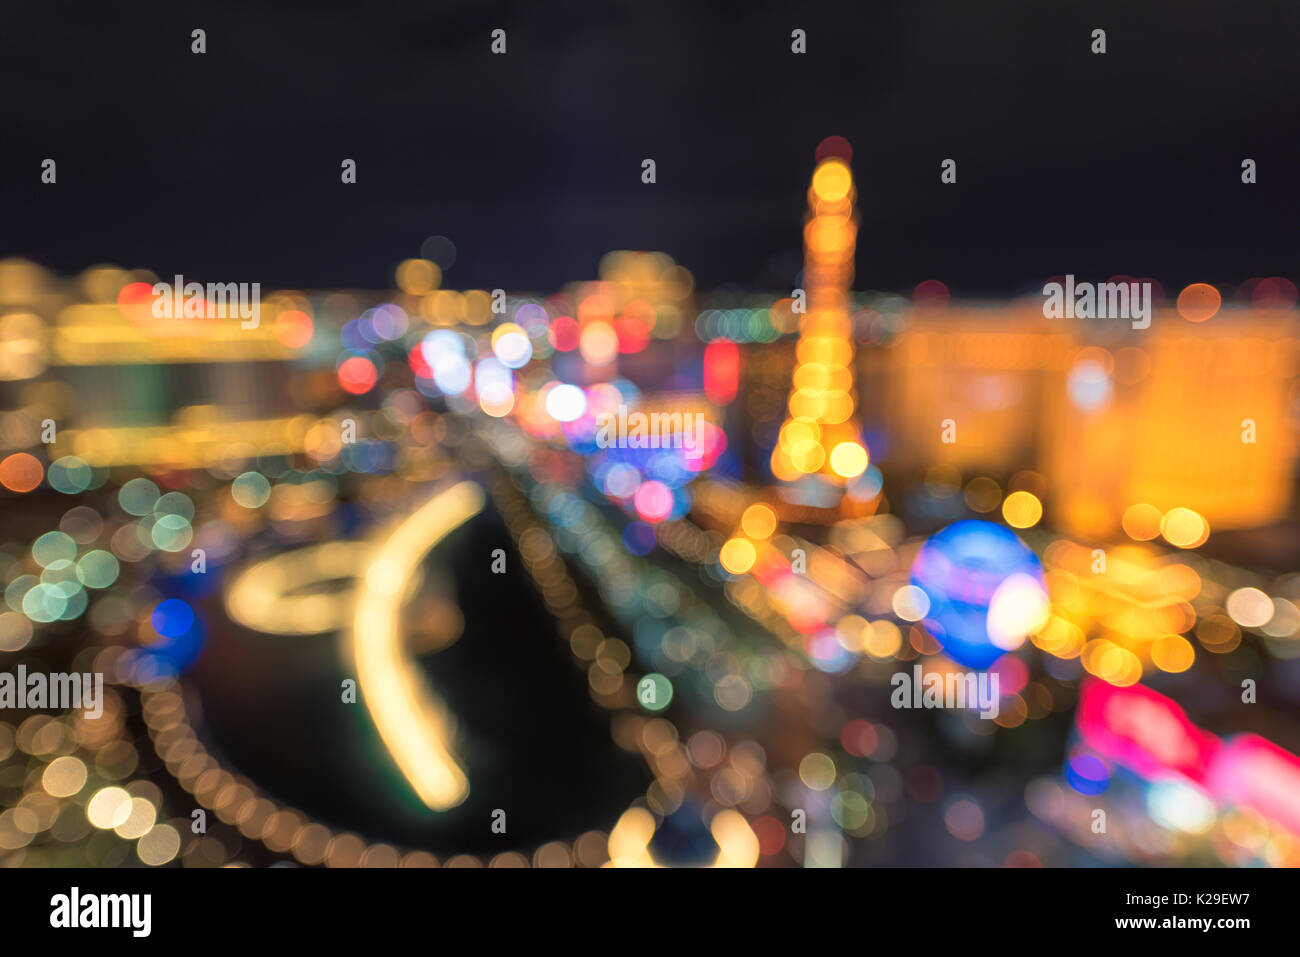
(1180, 415)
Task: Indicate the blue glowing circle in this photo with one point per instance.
(1087, 774)
(959, 568)
(173, 618)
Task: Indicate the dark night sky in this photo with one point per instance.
(226, 166)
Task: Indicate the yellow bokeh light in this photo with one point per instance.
(832, 181)
(1172, 653)
(1022, 510)
(800, 432)
(1141, 522)
(109, 808)
(738, 555)
(848, 460)
(1184, 528)
(64, 776)
(852, 632)
(817, 771)
(758, 521)
(807, 403)
(737, 843)
(159, 846)
(139, 821)
(416, 277)
(883, 639)
(1111, 662)
(783, 469)
(837, 406)
(630, 839)
(808, 458)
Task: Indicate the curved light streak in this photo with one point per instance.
(412, 720)
(277, 597)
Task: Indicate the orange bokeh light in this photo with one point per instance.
(21, 472)
(1199, 302)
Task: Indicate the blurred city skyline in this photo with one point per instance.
(343, 531)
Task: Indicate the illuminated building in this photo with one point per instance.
(1184, 416)
(1177, 416)
(820, 435)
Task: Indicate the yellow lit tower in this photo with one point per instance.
(820, 435)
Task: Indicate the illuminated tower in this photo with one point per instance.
(820, 435)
